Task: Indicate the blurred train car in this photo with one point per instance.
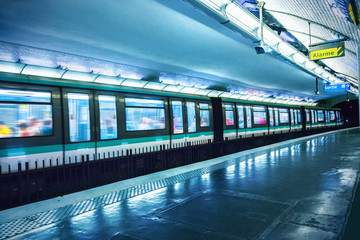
(44, 125)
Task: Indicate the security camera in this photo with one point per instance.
(316, 92)
(262, 49)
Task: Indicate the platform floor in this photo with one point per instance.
(298, 189)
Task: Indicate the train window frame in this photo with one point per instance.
(240, 108)
(46, 140)
(292, 117)
(276, 117)
(298, 111)
(144, 107)
(172, 116)
(308, 116)
(124, 134)
(66, 115)
(332, 113)
(197, 128)
(281, 111)
(254, 109)
(99, 118)
(271, 116)
(321, 113)
(30, 103)
(249, 116)
(209, 119)
(232, 110)
(69, 118)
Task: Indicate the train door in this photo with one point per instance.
(79, 124)
(284, 120)
(308, 118)
(321, 118)
(299, 119)
(230, 122)
(241, 120)
(199, 128)
(271, 120)
(276, 120)
(178, 122)
(260, 121)
(107, 114)
(249, 121)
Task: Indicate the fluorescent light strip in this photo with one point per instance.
(245, 20)
(79, 76)
(90, 77)
(173, 88)
(10, 67)
(109, 80)
(155, 86)
(133, 83)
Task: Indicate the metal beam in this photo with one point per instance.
(309, 21)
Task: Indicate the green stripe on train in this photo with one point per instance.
(110, 143)
(12, 152)
(77, 146)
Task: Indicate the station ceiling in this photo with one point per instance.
(171, 41)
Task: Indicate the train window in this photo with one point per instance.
(276, 117)
(299, 115)
(30, 115)
(271, 116)
(295, 116)
(292, 115)
(307, 116)
(320, 116)
(229, 114)
(191, 115)
(241, 116)
(8, 95)
(177, 117)
(338, 117)
(315, 116)
(312, 116)
(248, 117)
(332, 116)
(284, 115)
(204, 115)
(108, 123)
(327, 119)
(144, 114)
(79, 117)
(25, 120)
(138, 102)
(259, 115)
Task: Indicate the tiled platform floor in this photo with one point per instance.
(299, 189)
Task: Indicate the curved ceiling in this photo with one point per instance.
(149, 39)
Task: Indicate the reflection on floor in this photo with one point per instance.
(299, 189)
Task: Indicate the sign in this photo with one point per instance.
(337, 88)
(329, 50)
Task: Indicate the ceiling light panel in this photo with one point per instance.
(43, 71)
(238, 15)
(11, 67)
(79, 76)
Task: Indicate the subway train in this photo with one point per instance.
(42, 123)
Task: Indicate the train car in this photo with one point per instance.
(53, 122)
(322, 117)
(44, 125)
(244, 119)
